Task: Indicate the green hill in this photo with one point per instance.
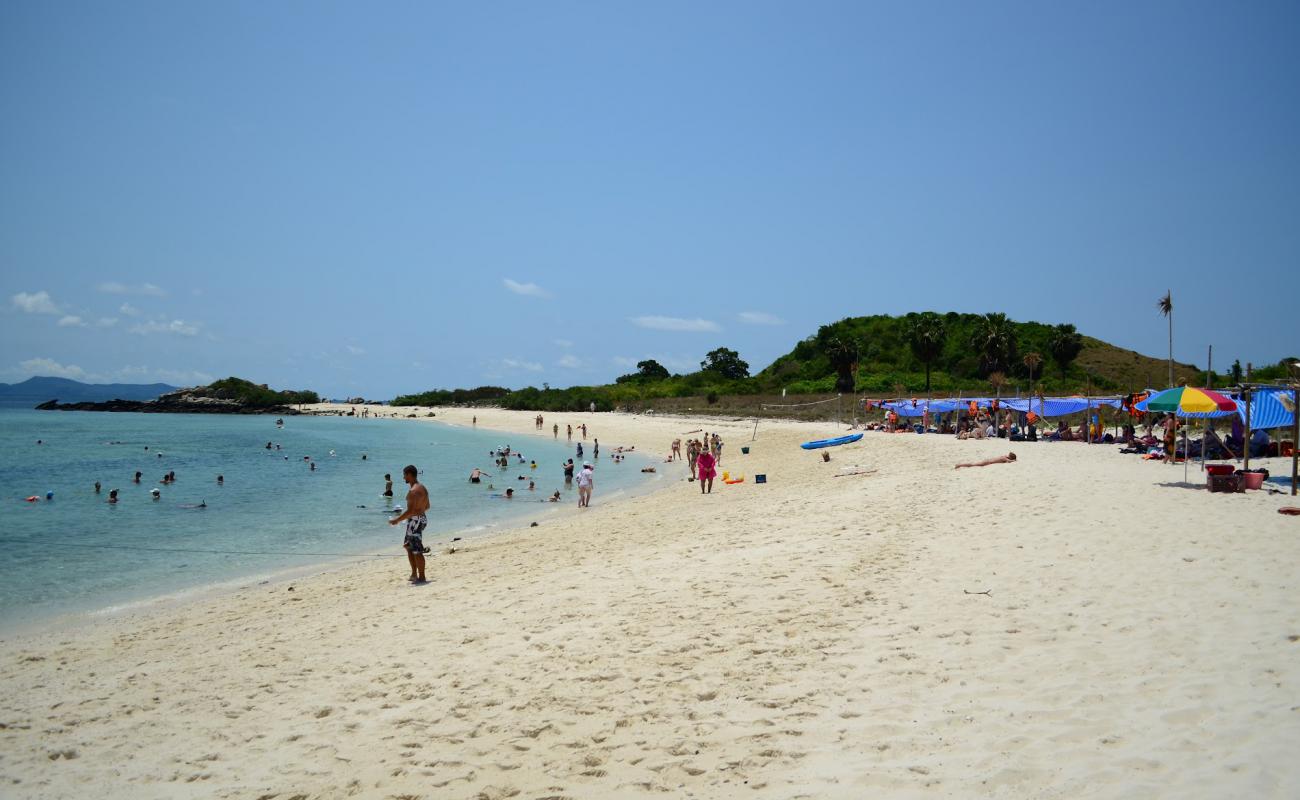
(879, 356)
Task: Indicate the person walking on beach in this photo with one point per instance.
(584, 431)
(568, 432)
(555, 431)
(676, 451)
(586, 482)
(1009, 458)
(706, 463)
(417, 503)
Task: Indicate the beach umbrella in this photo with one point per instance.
(1189, 400)
(1185, 400)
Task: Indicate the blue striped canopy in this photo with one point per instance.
(1059, 406)
(1049, 407)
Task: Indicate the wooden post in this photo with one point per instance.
(1245, 395)
(1295, 434)
(1087, 412)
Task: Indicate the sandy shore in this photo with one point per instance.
(1077, 624)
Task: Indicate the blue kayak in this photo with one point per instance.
(831, 442)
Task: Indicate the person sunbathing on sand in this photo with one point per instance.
(1007, 459)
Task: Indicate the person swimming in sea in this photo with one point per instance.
(112, 496)
(388, 485)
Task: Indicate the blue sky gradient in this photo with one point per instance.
(381, 198)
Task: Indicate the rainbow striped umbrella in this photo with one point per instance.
(1187, 400)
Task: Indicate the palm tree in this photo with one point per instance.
(927, 335)
(995, 340)
(1032, 360)
(1065, 344)
(997, 380)
(1166, 306)
(842, 351)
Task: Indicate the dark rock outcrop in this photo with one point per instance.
(182, 402)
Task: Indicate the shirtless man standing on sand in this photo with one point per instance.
(417, 503)
(1007, 459)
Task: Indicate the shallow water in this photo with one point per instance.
(77, 553)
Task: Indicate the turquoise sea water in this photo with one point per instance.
(77, 553)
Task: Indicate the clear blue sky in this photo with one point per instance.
(380, 198)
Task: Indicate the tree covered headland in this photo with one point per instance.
(253, 395)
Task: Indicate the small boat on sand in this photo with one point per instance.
(819, 443)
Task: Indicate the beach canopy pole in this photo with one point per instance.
(1295, 435)
(1245, 445)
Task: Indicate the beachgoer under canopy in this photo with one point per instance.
(1007, 459)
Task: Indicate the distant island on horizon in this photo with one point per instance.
(39, 389)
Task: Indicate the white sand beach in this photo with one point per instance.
(1074, 625)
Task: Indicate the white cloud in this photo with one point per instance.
(105, 322)
(129, 310)
(49, 368)
(179, 327)
(676, 324)
(529, 289)
(760, 318)
(35, 303)
(570, 361)
(354, 350)
(563, 342)
(531, 366)
(72, 321)
(147, 289)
